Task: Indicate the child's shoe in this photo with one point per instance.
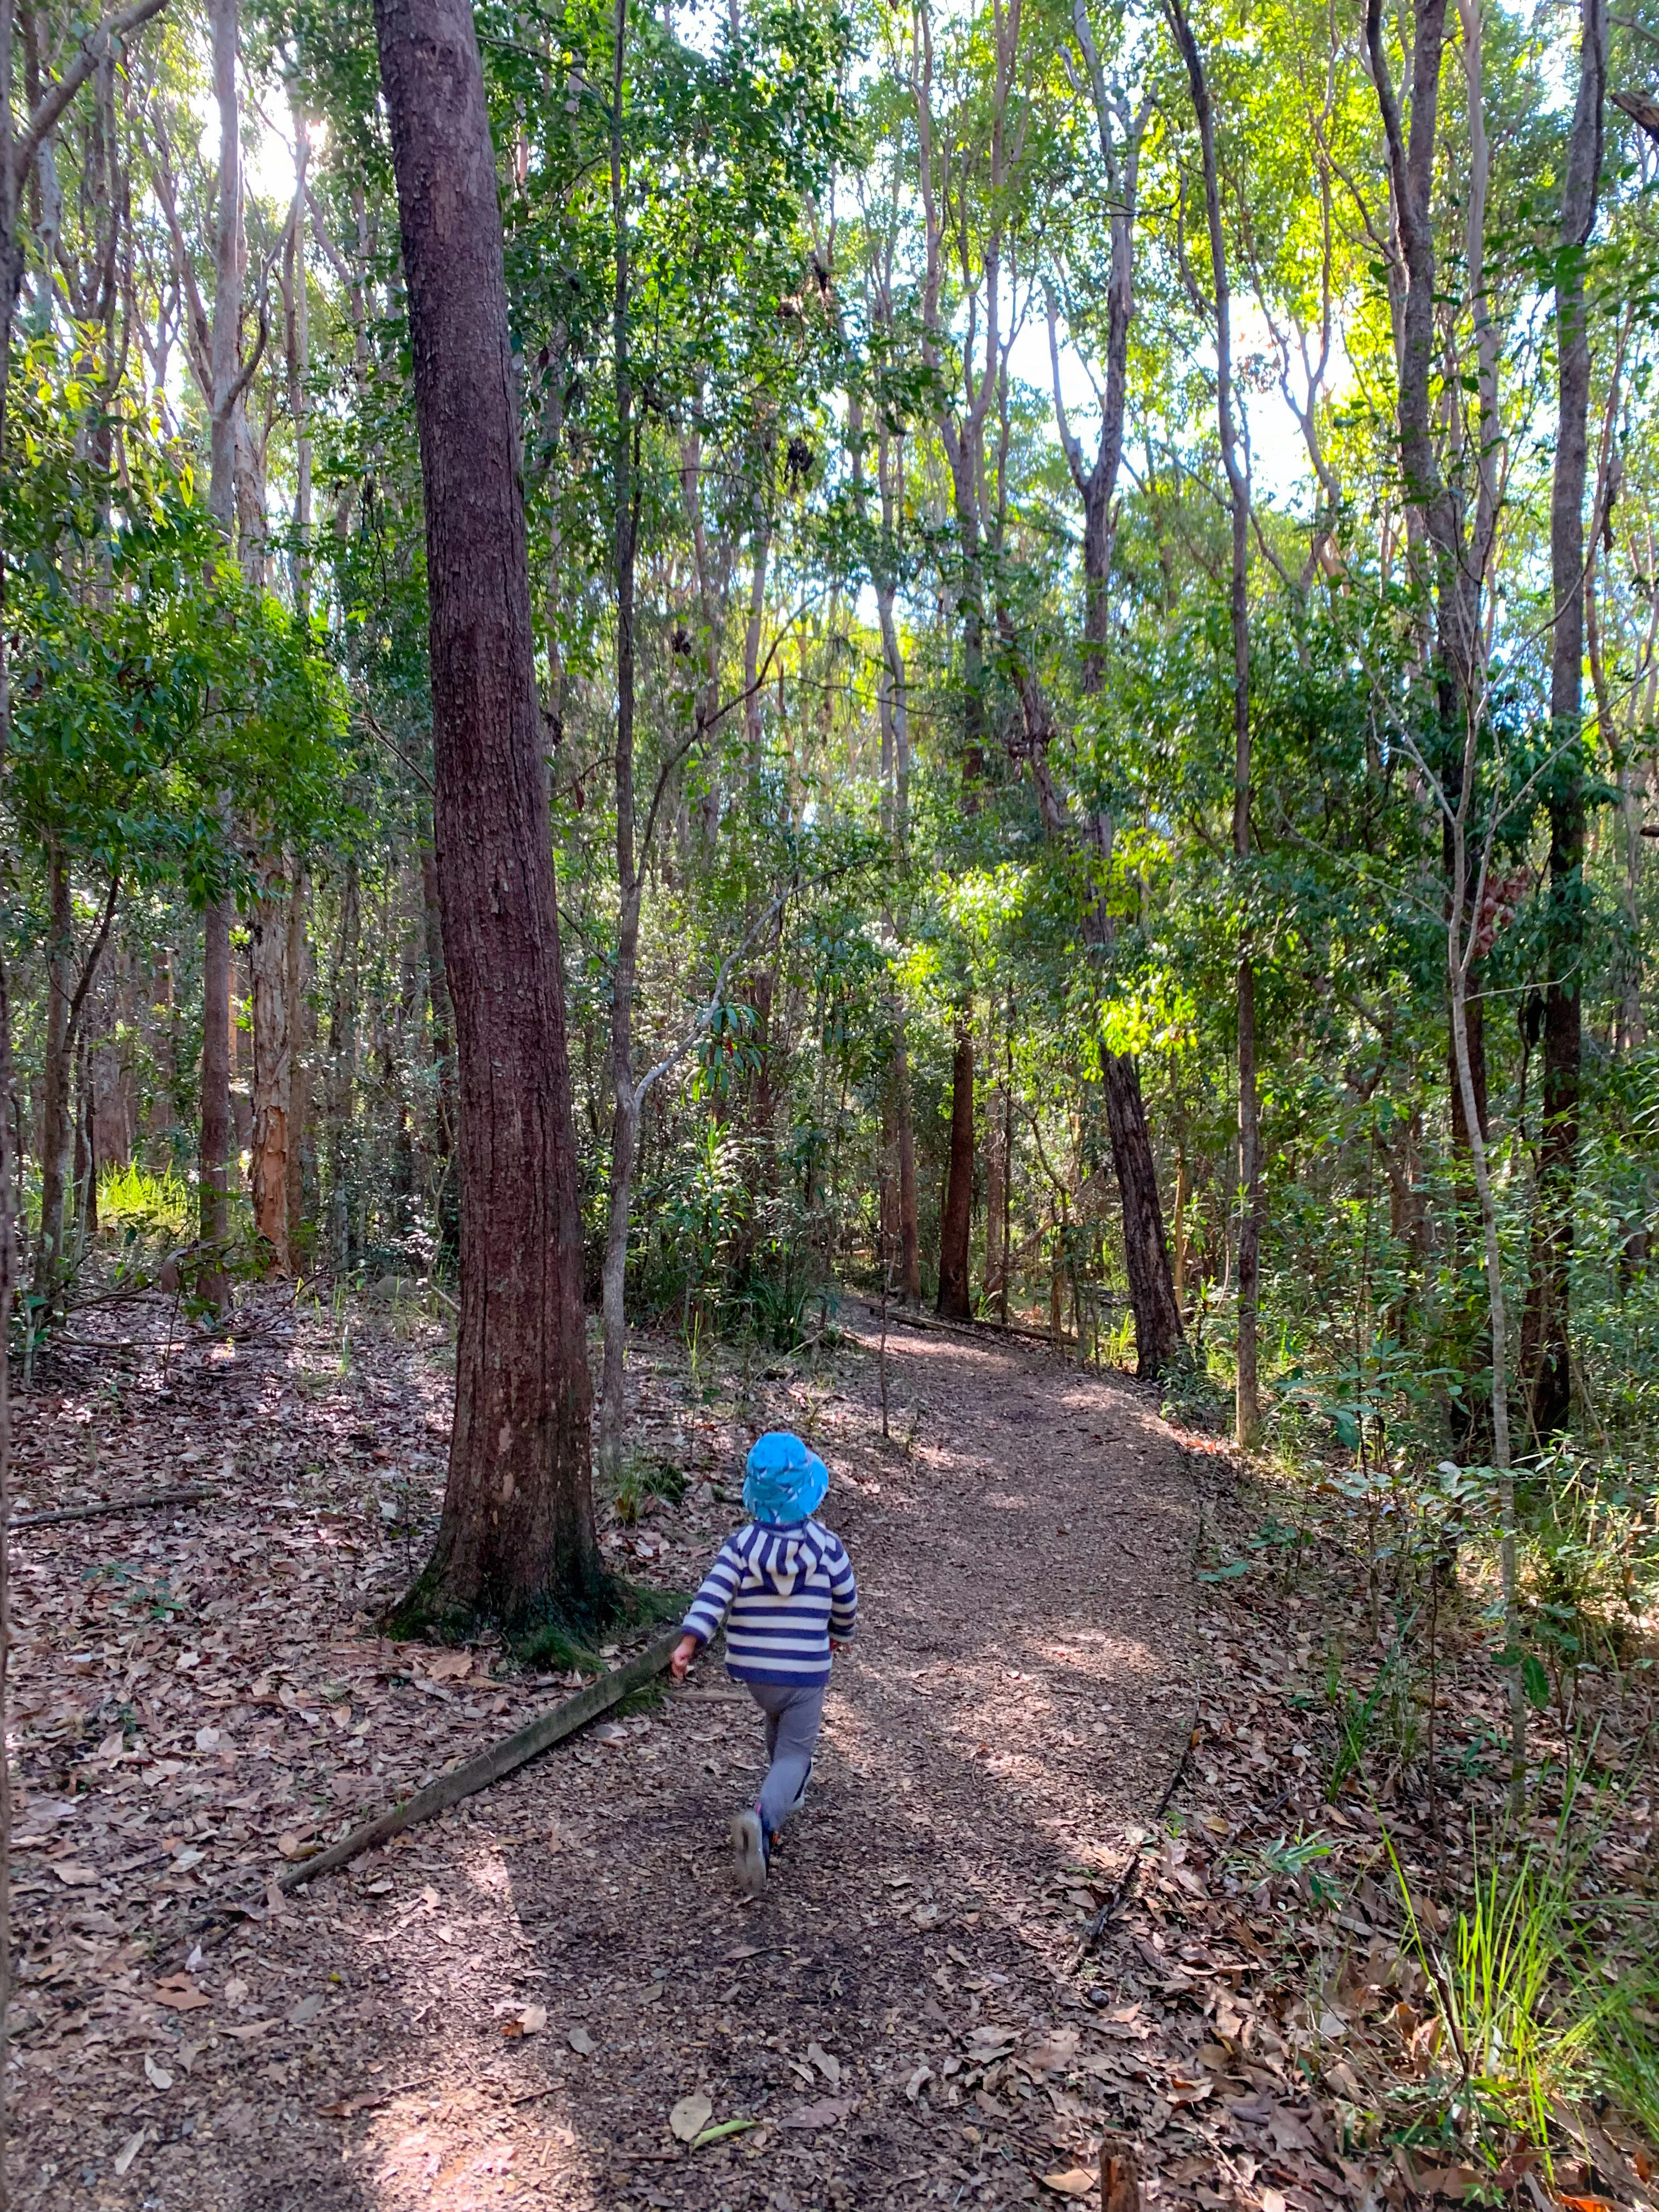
(748, 1846)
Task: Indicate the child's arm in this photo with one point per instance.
(708, 1609)
(843, 1595)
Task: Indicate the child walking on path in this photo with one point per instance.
(783, 1583)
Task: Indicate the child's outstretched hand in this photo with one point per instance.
(684, 1652)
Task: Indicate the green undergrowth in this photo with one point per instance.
(641, 1477)
(1524, 1989)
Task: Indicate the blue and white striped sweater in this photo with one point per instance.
(783, 1592)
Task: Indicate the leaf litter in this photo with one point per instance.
(1021, 1692)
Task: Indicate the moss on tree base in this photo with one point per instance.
(553, 1633)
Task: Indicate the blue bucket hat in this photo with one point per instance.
(784, 1481)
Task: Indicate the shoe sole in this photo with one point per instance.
(750, 1853)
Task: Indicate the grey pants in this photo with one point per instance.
(794, 1718)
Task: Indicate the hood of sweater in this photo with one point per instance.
(784, 1556)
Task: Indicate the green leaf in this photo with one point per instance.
(1230, 1572)
(725, 2128)
(1535, 1681)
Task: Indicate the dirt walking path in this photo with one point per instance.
(504, 2008)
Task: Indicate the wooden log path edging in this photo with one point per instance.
(500, 1759)
(111, 1505)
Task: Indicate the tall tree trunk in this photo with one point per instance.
(625, 1102)
(956, 1229)
(300, 1035)
(910, 1234)
(517, 1536)
(1545, 1365)
(996, 1169)
(299, 363)
(1159, 1335)
(273, 1063)
(343, 1071)
(54, 1131)
(1248, 1399)
(443, 1057)
(1159, 1339)
(225, 344)
(213, 1282)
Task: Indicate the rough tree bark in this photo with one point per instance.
(1248, 1400)
(1546, 1368)
(443, 1056)
(910, 1231)
(956, 1228)
(517, 1540)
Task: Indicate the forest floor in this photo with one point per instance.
(503, 2006)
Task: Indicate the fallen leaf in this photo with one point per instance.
(828, 2067)
(178, 1995)
(288, 1844)
(528, 2020)
(690, 2117)
(1272, 2201)
(1183, 2090)
(74, 1876)
(348, 2107)
(824, 2114)
(913, 2088)
(719, 2134)
(1054, 2053)
(304, 2012)
(449, 1666)
(129, 2150)
(988, 2042)
(1075, 2181)
(158, 2076)
(581, 2042)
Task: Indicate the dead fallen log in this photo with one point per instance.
(978, 1332)
(156, 1498)
(501, 1759)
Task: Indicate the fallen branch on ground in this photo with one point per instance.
(501, 1759)
(976, 1331)
(112, 1505)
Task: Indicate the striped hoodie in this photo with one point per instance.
(783, 1592)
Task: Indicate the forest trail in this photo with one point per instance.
(1017, 1697)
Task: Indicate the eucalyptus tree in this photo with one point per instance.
(518, 1534)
